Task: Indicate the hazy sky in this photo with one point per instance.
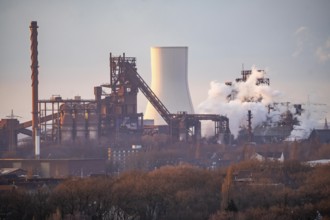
(290, 39)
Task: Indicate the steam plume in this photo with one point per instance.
(234, 101)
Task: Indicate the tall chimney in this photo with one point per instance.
(34, 77)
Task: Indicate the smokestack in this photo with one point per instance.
(34, 77)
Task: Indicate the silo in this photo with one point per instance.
(92, 121)
(80, 123)
(169, 68)
(66, 123)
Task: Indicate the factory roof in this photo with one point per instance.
(321, 135)
(11, 171)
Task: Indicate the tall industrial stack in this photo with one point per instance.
(169, 67)
(34, 78)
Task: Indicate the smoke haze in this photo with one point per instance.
(236, 99)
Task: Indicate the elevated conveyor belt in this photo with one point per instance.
(135, 78)
(41, 120)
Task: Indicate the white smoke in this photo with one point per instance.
(234, 102)
(313, 117)
(236, 99)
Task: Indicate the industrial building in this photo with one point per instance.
(57, 168)
(112, 118)
(110, 123)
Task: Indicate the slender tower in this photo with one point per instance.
(169, 67)
(34, 77)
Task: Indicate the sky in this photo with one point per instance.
(290, 39)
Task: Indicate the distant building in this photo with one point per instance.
(56, 168)
(8, 134)
(10, 172)
(320, 135)
(314, 163)
(120, 157)
(267, 134)
(243, 176)
(269, 156)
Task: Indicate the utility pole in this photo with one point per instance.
(250, 125)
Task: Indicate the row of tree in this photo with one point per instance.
(275, 191)
(181, 192)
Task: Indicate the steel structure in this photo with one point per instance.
(118, 110)
(124, 77)
(246, 74)
(51, 115)
(112, 115)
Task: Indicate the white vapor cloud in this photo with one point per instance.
(323, 52)
(245, 96)
(235, 100)
(301, 35)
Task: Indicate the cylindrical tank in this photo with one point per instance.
(37, 145)
(169, 68)
(92, 122)
(80, 123)
(66, 123)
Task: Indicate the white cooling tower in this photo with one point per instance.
(169, 67)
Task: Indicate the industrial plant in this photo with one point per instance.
(113, 117)
(110, 121)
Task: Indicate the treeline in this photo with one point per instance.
(289, 190)
(273, 191)
(169, 193)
